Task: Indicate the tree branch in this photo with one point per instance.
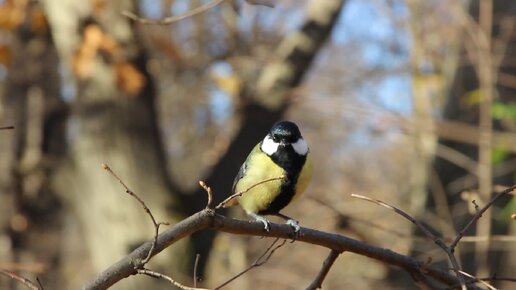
(427, 232)
(262, 259)
(157, 275)
(317, 283)
(145, 208)
(478, 215)
(208, 219)
(172, 19)
(21, 279)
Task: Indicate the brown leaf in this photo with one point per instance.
(38, 22)
(12, 14)
(5, 55)
(129, 78)
(98, 6)
(84, 57)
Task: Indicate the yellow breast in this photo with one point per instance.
(260, 168)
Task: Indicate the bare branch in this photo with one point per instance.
(224, 202)
(509, 279)
(266, 3)
(7, 128)
(39, 283)
(478, 215)
(21, 279)
(317, 283)
(428, 233)
(147, 210)
(196, 265)
(208, 191)
(478, 280)
(262, 259)
(167, 278)
(208, 219)
(172, 19)
(483, 280)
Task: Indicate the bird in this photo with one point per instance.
(275, 173)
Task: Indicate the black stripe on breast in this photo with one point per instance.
(292, 163)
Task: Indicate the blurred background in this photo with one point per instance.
(412, 102)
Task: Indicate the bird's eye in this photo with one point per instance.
(275, 138)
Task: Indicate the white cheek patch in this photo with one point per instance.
(269, 146)
(300, 147)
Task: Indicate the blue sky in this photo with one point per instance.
(383, 44)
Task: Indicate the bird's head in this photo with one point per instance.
(284, 134)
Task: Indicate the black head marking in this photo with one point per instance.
(285, 132)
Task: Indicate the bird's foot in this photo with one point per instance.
(295, 226)
(264, 221)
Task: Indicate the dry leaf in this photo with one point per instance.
(129, 79)
(12, 13)
(5, 55)
(84, 57)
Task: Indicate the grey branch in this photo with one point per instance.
(21, 279)
(208, 219)
(427, 232)
(317, 283)
(478, 215)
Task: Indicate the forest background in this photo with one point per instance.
(409, 102)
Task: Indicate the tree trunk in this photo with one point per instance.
(30, 212)
(114, 122)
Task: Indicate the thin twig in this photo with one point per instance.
(172, 19)
(262, 259)
(208, 191)
(196, 265)
(7, 128)
(266, 3)
(368, 223)
(39, 283)
(509, 279)
(427, 232)
(478, 215)
(493, 238)
(327, 264)
(475, 279)
(21, 279)
(147, 210)
(167, 278)
(246, 190)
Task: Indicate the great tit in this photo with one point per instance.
(275, 173)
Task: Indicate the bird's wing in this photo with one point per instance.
(240, 174)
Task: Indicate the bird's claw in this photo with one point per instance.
(266, 225)
(264, 221)
(295, 226)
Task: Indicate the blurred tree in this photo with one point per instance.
(114, 121)
(480, 80)
(166, 106)
(30, 212)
